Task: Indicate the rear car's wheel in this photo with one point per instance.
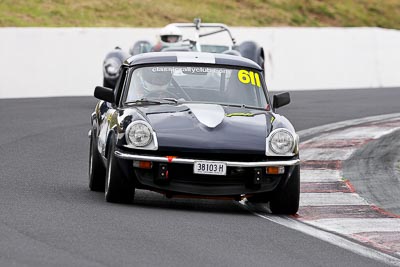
(118, 189)
(97, 172)
(286, 199)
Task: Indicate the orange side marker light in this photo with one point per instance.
(275, 170)
(143, 164)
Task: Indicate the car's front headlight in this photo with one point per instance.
(282, 142)
(139, 134)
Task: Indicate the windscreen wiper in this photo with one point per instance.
(172, 100)
(146, 101)
(240, 106)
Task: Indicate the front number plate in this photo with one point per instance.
(209, 167)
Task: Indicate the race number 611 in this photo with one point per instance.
(246, 77)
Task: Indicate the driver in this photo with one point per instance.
(170, 35)
(156, 81)
(147, 83)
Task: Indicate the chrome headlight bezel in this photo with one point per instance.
(292, 149)
(151, 144)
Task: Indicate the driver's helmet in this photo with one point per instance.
(170, 35)
(155, 80)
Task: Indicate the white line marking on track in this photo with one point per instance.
(310, 176)
(359, 133)
(330, 199)
(358, 225)
(326, 153)
(326, 236)
(337, 125)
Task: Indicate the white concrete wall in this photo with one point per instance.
(37, 62)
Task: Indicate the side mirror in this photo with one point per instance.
(104, 93)
(281, 100)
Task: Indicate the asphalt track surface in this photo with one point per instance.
(371, 164)
(48, 216)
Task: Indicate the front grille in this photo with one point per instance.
(182, 179)
(183, 173)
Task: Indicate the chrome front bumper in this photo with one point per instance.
(192, 161)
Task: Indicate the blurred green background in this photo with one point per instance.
(147, 13)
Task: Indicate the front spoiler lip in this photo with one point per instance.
(127, 156)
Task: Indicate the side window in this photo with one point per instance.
(119, 87)
(134, 85)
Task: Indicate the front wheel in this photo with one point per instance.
(286, 199)
(97, 172)
(118, 189)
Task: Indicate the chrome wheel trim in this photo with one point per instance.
(91, 160)
(108, 178)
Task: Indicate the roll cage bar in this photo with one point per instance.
(219, 27)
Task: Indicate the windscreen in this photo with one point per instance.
(198, 84)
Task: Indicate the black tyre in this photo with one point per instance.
(97, 171)
(286, 199)
(117, 188)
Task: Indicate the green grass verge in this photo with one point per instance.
(147, 13)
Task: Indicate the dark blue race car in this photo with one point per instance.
(194, 124)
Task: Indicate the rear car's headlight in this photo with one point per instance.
(139, 134)
(111, 67)
(282, 142)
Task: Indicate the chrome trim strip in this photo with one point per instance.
(191, 161)
(92, 118)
